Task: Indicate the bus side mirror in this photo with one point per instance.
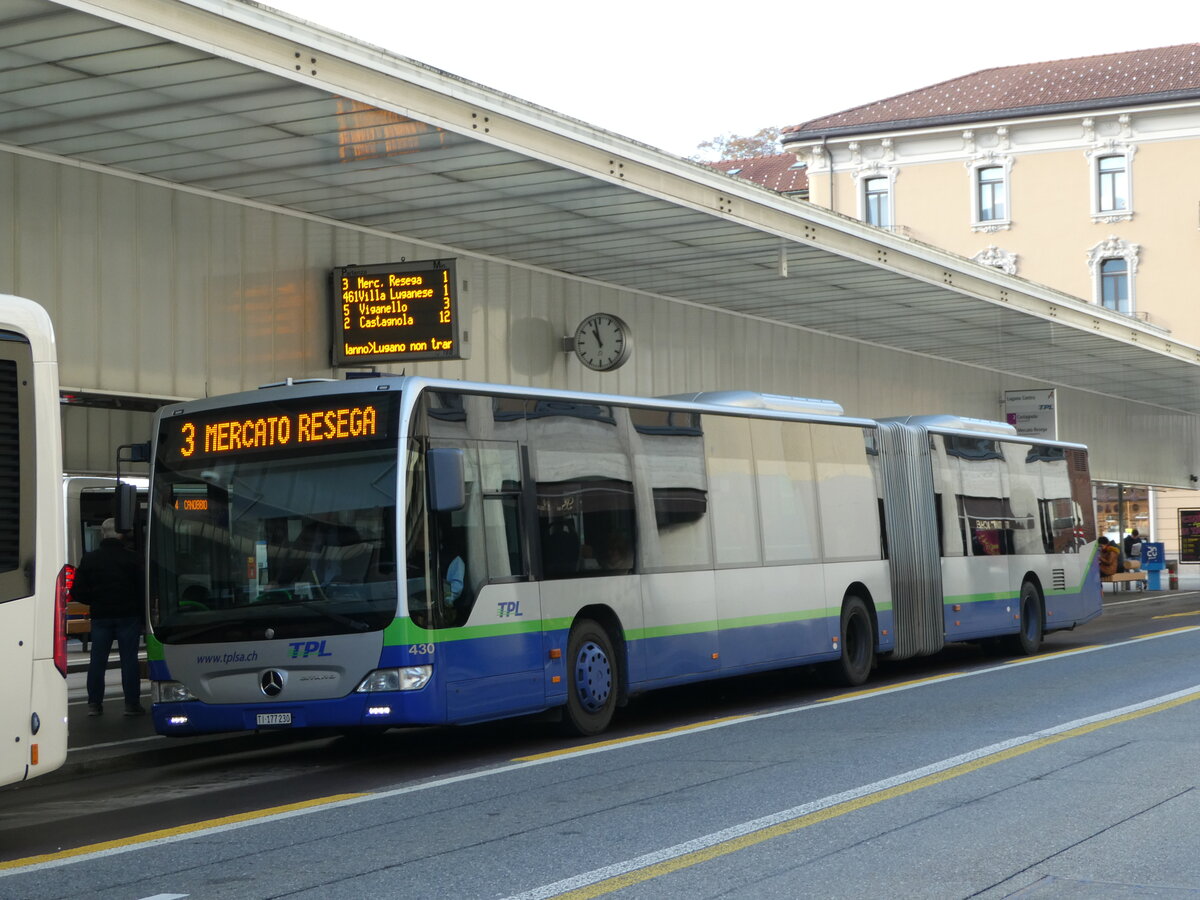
(447, 479)
(125, 506)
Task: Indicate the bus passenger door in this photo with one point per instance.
(490, 651)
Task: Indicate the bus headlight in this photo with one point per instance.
(170, 692)
(408, 678)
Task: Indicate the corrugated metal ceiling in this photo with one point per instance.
(227, 97)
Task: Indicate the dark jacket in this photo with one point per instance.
(110, 581)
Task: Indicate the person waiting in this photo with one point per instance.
(1110, 557)
(110, 582)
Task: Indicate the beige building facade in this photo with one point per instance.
(1076, 174)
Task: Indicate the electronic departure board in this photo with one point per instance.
(1189, 535)
(395, 311)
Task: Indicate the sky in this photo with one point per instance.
(674, 75)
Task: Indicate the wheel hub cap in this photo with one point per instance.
(593, 676)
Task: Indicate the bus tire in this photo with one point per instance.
(1028, 640)
(858, 644)
(593, 679)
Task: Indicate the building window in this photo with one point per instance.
(991, 207)
(990, 184)
(877, 195)
(1114, 284)
(1114, 265)
(1113, 184)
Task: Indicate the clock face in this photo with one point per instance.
(602, 342)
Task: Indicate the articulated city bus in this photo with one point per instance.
(33, 575)
(397, 551)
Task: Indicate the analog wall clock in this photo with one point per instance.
(603, 342)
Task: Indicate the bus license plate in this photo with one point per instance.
(274, 719)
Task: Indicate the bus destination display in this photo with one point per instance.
(252, 430)
(395, 311)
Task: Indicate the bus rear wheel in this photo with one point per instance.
(593, 679)
(1028, 640)
(858, 644)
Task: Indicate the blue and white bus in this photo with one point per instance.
(396, 551)
(34, 578)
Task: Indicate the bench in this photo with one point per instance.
(79, 622)
(1123, 578)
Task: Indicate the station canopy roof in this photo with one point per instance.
(233, 99)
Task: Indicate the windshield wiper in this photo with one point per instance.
(172, 636)
(333, 616)
(352, 624)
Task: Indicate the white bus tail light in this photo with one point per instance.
(407, 678)
(62, 594)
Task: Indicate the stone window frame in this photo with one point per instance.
(1094, 155)
(861, 176)
(1114, 248)
(987, 161)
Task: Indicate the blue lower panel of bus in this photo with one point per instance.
(371, 710)
(494, 676)
(981, 618)
(1002, 615)
(758, 645)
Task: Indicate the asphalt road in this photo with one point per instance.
(1069, 774)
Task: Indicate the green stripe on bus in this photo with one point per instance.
(405, 631)
(1052, 592)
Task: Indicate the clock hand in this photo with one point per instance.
(596, 332)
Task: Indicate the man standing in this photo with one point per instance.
(1130, 539)
(109, 580)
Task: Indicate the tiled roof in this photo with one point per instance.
(1114, 79)
(773, 172)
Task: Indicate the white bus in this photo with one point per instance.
(90, 499)
(399, 551)
(33, 574)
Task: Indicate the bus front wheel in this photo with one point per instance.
(593, 679)
(858, 644)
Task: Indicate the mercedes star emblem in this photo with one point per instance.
(271, 683)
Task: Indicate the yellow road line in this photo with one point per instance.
(723, 848)
(1177, 615)
(632, 738)
(1170, 631)
(890, 687)
(175, 832)
(1058, 653)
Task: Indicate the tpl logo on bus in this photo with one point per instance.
(305, 649)
(509, 608)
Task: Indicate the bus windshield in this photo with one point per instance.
(245, 547)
